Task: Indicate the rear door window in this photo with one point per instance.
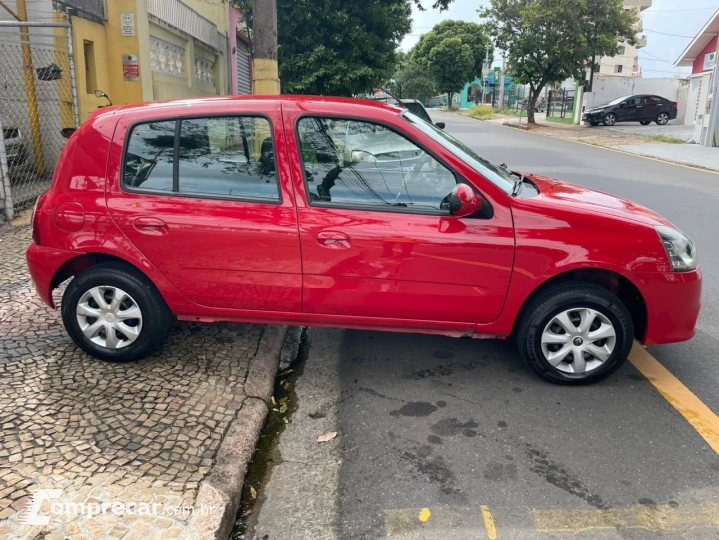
(214, 157)
(227, 157)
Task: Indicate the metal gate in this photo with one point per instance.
(38, 99)
(244, 79)
(560, 103)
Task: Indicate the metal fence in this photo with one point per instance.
(560, 103)
(38, 99)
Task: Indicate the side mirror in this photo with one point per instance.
(101, 94)
(440, 125)
(67, 132)
(622, 104)
(463, 201)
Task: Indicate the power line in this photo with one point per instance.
(679, 10)
(654, 56)
(666, 34)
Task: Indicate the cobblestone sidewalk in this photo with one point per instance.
(139, 434)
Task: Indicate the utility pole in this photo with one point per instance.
(32, 109)
(500, 101)
(485, 74)
(265, 73)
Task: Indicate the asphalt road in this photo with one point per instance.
(442, 438)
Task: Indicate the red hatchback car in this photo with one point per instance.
(345, 213)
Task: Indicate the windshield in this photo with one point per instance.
(500, 177)
(618, 100)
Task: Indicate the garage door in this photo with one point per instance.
(244, 81)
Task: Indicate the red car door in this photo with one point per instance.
(205, 195)
(377, 238)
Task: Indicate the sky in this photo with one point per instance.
(669, 26)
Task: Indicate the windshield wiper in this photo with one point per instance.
(517, 189)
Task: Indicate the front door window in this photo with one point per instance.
(359, 164)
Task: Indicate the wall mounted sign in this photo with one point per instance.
(130, 67)
(127, 24)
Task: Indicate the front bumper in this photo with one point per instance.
(673, 301)
(43, 263)
(593, 117)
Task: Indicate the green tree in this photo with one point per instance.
(412, 80)
(551, 40)
(469, 33)
(338, 47)
(452, 63)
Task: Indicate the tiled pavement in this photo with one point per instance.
(136, 433)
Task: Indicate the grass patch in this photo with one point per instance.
(511, 111)
(665, 139)
(481, 112)
(566, 120)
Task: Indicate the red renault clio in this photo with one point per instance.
(345, 213)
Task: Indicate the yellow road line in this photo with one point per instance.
(701, 417)
(650, 518)
(488, 522)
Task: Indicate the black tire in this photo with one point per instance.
(156, 316)
(595, 124)
(662, 119)
(545, 306)
(609, 119)
(645, 122)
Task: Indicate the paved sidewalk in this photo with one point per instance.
(138, 434)
(687, 154)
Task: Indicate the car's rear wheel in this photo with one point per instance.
(114, 313)
(575, 333)
(594, 123)
(645, 122)
(609, 119)
(662, 119)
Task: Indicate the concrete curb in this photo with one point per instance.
(220, 491)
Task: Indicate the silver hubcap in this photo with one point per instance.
(109, 317)
(578, 340)
(609, 119)
(663, 118)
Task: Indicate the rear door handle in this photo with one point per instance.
(148, 225)
(333, 240)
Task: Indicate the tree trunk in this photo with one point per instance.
(449, 100)
(533, 96)
(265, 75)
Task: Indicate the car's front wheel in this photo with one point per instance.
(575, 333)
(662, 119)
(114, 313)
(609, 119)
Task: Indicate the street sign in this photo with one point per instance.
(130, 67)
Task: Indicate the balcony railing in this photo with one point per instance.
(87, 9)
(641, 41)
(641, 4)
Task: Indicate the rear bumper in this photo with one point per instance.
(673, 302)
(43, 263)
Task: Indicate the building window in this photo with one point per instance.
(88, 48)
(205, 70)
(166, 58)
(618, 68)
(620, 50)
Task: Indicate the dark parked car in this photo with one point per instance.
(643, 109)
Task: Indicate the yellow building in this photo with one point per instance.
(144, 50)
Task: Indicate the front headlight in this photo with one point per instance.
(680, 249)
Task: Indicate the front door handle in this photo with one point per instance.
(333, 240)
(153, 226)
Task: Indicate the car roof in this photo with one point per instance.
(322, 101)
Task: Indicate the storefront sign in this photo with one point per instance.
(710, 60)
(130, 67)
(127, 24)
